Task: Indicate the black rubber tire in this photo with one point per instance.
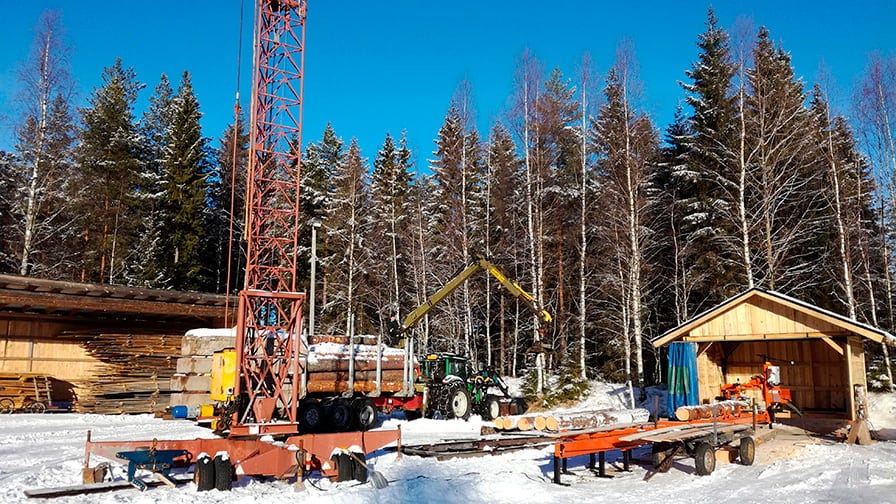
(37, 407)
(490, 407)
(364, 414)
(704, 459)
(311, 416)
(7, 406)
(746, 451)
(339, 415)
(459, 403)
(205, 473)
(223, 473)
(345, 467)
(360, 467)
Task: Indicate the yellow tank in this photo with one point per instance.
(223, 375)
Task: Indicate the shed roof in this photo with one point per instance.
(809, 314)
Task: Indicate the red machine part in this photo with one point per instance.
(270, 318)
(771, 394)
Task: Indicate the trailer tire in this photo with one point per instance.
(747, 451)
(360, 467)
(339, 415)
(704, 459)
(37, 407)
(7, 406)
(491, 408)
(205, 473)
(311, 416)
(223, 473)
(459, 402)
(364, 413)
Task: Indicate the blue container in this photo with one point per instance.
(185, 411)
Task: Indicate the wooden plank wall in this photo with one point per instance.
(33, 346)
(817, 379)
(762, 316)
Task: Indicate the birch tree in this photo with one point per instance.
(43, 140)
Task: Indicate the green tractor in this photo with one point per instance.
(453, 390)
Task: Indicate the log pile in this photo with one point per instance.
(328, 365)
(575, 420)
(133, 376)
(720, 409)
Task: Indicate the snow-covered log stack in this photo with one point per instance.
(717, 409)
(329, 360)
(574, 420)
(190, 385)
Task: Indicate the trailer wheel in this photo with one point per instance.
(705, 459)
(339, 415)
(491, 408)
(205, 473)
(747, 450)
(37, 407)
(223, 472)
(459, 402)
(364, 413)
(7, 406)
(311, 415)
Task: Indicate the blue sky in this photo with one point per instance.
(377, 67)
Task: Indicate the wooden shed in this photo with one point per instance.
(820, 353)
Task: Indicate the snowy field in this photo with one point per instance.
(39, 451)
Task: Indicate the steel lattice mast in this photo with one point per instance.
(270, 310)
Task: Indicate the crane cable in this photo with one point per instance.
(233, 164)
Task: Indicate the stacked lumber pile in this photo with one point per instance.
(574, 420)
(24, 388)
(133, 376)
(328, 365)
(720, 409)
(190, 384)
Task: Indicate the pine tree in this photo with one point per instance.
(109, 157)
(184, 185)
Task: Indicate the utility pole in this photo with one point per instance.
(315, 225)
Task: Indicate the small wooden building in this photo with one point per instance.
(820, 353)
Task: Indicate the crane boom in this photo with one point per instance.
(481, 264)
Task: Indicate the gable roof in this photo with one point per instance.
(754, 295)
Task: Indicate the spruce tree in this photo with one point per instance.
(109, 158)
(184, 185)
(320, 162)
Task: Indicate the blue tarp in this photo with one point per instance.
(682, 377)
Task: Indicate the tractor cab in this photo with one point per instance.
(435, 368)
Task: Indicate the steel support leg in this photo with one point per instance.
(557, 470)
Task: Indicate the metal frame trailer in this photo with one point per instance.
(699, 439)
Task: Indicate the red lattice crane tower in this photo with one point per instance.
(269, 319)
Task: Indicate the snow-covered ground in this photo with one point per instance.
(39, 451)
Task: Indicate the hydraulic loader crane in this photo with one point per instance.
(481, 264)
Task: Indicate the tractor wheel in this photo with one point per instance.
(490, 407)
(364, 413)
(339, 415)
(459, 402)
(705, 459)
(747, 450)
(37, 407)
(311, 416)
(7, 406)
